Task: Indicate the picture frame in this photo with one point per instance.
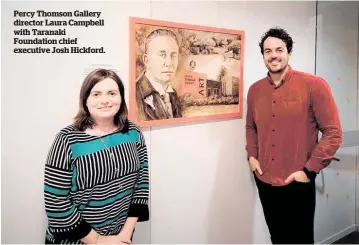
(181, 73)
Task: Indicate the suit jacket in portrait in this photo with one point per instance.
(154, 108)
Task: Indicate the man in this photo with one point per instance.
(286, 110)
(155, 97)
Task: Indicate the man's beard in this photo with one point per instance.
(277, 71)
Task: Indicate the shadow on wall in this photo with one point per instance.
(231, 211)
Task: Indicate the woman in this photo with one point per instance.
(96, 173)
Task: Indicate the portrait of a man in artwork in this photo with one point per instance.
(185, 74)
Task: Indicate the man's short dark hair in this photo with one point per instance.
(278, 33)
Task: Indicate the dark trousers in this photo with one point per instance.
(289, 211)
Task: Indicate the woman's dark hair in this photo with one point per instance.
(278, 33)
(83, 120)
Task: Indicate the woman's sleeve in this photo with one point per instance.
(139, 202)
(64, 219)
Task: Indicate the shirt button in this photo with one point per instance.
(272, 159)
(273, 130)
(273, 115)
(273, 145)
(273, 101)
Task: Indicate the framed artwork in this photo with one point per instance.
(181, 73)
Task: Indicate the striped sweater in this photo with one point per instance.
(94, 182)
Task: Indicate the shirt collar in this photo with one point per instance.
(285, 78)
(159, 88)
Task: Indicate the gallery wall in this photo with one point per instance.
(201, 187)
(337, 62)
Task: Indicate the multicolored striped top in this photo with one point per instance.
(95, 182)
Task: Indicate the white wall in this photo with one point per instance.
(357, 166)
(215, 196)
(337, 62)
(202, 191)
